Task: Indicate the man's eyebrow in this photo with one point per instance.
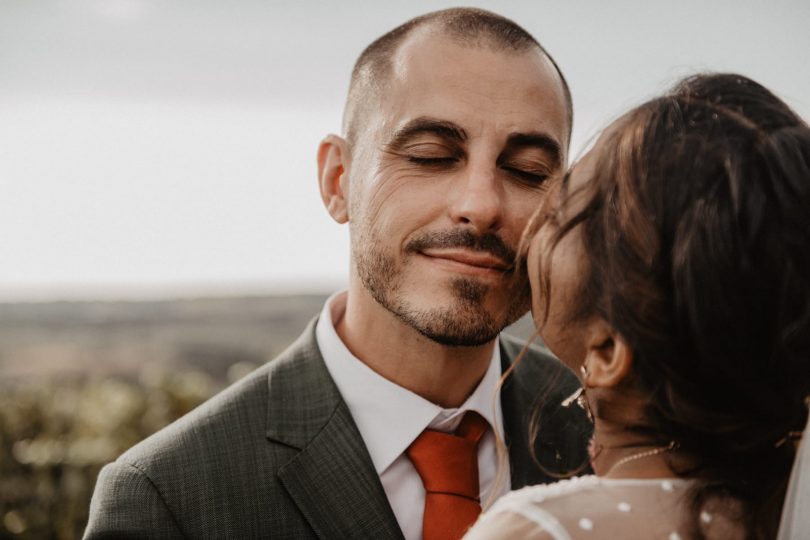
(427, 125)
(538, 140)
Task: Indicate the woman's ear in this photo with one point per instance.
(608, 357)
(333, 161)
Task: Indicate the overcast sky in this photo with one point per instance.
(167, 147)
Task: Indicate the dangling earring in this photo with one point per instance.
(579, 395)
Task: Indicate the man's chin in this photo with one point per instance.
(460, 340)
(456, 325)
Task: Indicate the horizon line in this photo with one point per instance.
(168, 291)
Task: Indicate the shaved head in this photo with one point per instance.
(469, 27)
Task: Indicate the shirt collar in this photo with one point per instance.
(388, 416)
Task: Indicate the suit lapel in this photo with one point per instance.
(514, 402)
(332, 479)
(531, 396)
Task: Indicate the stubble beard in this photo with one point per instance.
(464, 323)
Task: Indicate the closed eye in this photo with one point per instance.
(434, 161)
(536, 178)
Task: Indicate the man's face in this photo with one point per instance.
(444, 176)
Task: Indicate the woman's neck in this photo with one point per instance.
(619, 453)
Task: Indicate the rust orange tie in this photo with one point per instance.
(448, 466)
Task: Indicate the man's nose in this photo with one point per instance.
(477, 199)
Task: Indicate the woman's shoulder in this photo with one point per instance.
(579, 506)
(589, 485)
(544, 492)
(523, 513)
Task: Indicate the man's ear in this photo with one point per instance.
(609, 357)
(333, 160)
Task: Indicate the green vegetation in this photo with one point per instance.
(55, 437)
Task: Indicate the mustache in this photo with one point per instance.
(462, 238)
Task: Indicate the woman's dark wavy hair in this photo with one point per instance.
(696, 233)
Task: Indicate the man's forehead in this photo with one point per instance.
(429, 45)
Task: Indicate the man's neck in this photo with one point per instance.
(439, 373)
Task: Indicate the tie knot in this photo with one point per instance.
(472, 427)
(448, 462)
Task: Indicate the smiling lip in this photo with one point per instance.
(466, 260)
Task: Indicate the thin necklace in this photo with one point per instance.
(645, 454)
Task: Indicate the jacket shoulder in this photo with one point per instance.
(209, 469)
(233, 421)
(127, 505)
(236, 413)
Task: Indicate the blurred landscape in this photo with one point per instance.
(77, 340)
(80, 382)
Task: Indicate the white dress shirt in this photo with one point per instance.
(391, 417)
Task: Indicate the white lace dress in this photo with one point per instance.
(591, 507)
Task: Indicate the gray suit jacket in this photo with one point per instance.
(277, 455)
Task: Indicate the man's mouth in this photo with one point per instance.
(476, 260)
